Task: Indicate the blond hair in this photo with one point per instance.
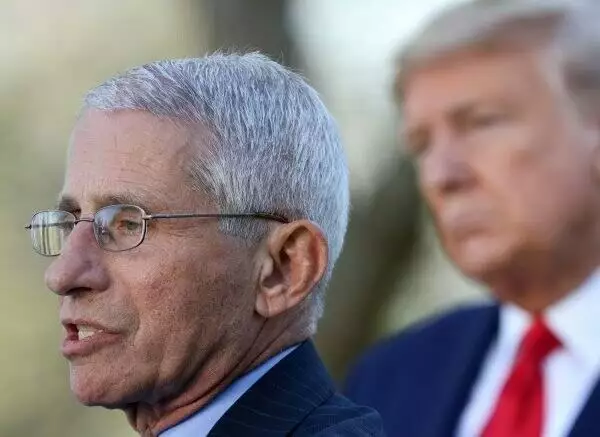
(570, 27)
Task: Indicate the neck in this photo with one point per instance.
(218, 371)
(537, 287)
(536, 280)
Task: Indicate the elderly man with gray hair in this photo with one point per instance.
(501, 105)
(204, 205)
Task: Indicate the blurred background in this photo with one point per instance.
(392, 271)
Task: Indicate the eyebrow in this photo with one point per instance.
(459, 111)
(463, 110)
(69, 203)
(66, 203)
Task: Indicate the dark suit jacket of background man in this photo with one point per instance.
(297, 398)
(420, 380)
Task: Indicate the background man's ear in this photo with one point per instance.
(295, 261)
(592, 140)
(596, 164)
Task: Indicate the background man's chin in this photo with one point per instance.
(480, 261)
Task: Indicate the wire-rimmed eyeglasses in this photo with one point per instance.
(116, 227)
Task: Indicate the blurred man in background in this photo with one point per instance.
(204, 205)
(501, 105)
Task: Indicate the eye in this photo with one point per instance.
(417, 143)
(128, 226)
(486, 119)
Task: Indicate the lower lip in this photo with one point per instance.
(72, 348)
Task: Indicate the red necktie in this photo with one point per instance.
(519, 411)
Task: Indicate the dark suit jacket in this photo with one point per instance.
(297, 398)
(420, 380)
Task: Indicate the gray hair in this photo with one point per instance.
(273, 145)
(570, 26)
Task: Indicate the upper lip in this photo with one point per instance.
(71, 322)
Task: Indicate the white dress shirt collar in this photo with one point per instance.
(570, 372)
(575, 321)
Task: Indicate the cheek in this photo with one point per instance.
(185, 308)
(174, 314)
(539, 193)
(170, 302)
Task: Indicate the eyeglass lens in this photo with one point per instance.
(116, 228)
(49, 230)
(119, 227)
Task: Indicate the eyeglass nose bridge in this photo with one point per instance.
(76, 222)
(96, 229)
(84, 219)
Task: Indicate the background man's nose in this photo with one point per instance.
(444, 169)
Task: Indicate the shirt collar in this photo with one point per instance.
(575, 320)
(204, 420)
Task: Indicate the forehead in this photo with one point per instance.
(125, 152)
(470, 78)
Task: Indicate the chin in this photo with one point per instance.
(479, 258)
(92, 386)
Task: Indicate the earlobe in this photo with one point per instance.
(295, 260)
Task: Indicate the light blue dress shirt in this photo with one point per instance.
(200, 424)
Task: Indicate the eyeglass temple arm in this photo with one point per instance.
(265, 216)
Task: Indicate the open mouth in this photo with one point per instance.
(81, 332)
(82, 339)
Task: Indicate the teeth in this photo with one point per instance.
(84, 332)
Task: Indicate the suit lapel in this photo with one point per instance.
(588, 422)
(459, 371)
(279, 401)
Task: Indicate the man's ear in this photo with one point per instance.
(295, 260)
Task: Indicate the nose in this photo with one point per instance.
(445, 168)
(80, 265)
